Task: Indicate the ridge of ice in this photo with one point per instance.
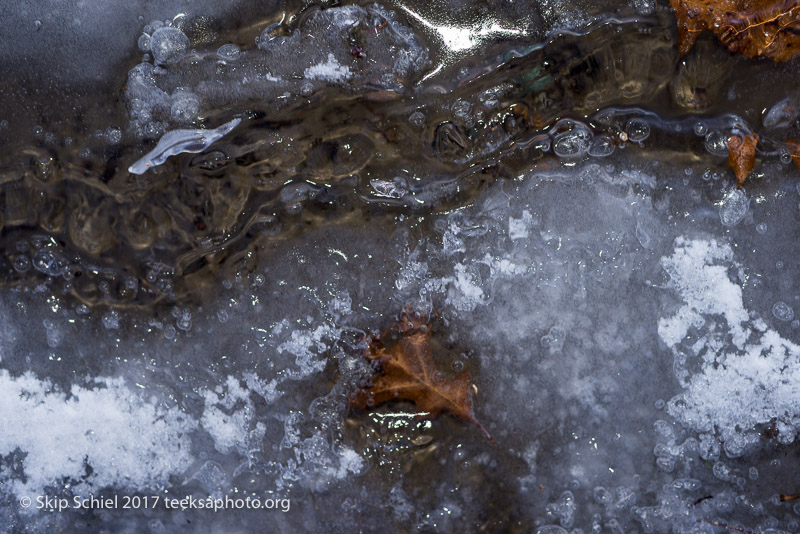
(179, 141)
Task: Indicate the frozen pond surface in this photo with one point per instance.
(628, 317)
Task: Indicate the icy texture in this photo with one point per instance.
(574, 303)
(228, 415)
(128, 436)
(628, 334)
(84, 43)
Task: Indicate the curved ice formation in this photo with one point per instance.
(179, 141)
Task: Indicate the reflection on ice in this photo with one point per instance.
(459, 39)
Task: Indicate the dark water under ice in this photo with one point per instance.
(205, 209)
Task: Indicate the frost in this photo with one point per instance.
(122, 438)
(228, 415)
(307, 347)
(350, 462)
(699, 273)
(735, 389)
(518, 228)
(466, 292)
(331, 71)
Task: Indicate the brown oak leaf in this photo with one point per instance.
(408, 372)
(742, 154)
(794, 150)
(753, 28)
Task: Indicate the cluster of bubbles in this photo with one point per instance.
(43, 257)
(273, 176)
(572, 139)
(615, 503)
(164, 41)
(563, 509)
(153, 109)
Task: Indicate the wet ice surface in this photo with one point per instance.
(627, 316)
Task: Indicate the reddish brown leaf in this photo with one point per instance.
(409, 373)
(794, 150)
(742, 154)
(753, 28)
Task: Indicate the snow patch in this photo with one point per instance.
(331, 71)
(112, 432)
(228, 415)
(752, 382)
(698, 272)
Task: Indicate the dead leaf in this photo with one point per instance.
(794, 150)
(753, 28)
(408, 373)
(742, 154)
